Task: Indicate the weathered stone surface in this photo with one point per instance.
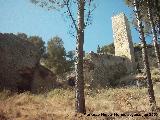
(105, 69)
(123, 40)
(19, 65)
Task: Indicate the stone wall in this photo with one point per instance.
(123, 40)
(103, 70)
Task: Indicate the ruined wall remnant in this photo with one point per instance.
(103, 70)
(123, 40)
(19, 66)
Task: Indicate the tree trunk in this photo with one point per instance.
(155, 38)
(158, 16)
(145, 58)
(79, 87)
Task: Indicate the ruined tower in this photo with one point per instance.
(123, 40)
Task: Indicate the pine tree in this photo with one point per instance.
(154, 33)
(98, 49)
(84, 6)
(145, 57)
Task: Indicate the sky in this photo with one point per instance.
(25, 17)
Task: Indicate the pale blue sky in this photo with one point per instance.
(22, 16)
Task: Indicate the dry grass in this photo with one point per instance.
(155, 75)
(59, 104)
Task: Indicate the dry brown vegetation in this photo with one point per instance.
(59, 104)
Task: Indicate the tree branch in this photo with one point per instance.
(89, 12)
(70, 13)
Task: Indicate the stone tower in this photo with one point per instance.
(123, 40)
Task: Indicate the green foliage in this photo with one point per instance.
(36, 40)
(129, 2)
(98, 49)
(71, 55)
(155, 10)
(56, 56)
(50, 4)
(39, 43)
(22, 36)
(70, 59)
(108, 49)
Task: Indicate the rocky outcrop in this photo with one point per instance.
(19, 66)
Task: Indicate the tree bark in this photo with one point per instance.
(157, 15)
(145, 58)
(154, 33)
(79, 87)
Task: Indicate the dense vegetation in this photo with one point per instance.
(54, 55)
